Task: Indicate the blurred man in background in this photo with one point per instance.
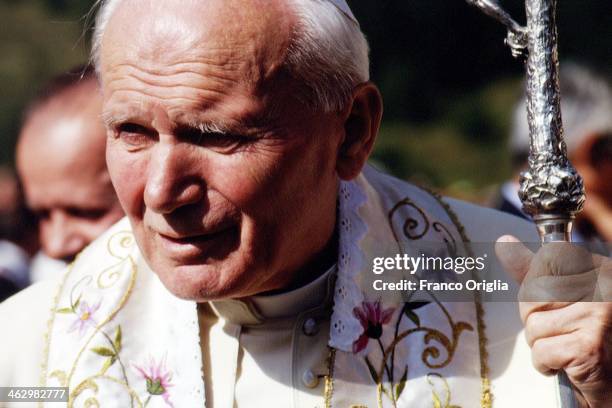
(586, 104)
(61, 162)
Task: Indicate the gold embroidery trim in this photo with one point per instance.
(89, 383)
(122, 301)
(47, 335)
(125, 242)
(329, 378)
(486, 398)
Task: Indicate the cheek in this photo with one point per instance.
(246, 177)
(128, 175)
(275, 184)
(45, 232)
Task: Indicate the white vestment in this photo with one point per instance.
(112, 333)
(14, 264)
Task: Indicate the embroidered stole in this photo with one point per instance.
(421, 352)
(117, 337)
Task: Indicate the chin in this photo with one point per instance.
(202, 283)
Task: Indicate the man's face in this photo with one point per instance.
(60, 158)
(229, 184)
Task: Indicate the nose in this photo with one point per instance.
(60, 238)
(173, 179)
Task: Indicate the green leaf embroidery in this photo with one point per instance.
(372, 370)
(65, 310)
(108, 363)
(413, 316)
(416, 305)
(103, 351)
(155, 387)
(399, 387)
(117, 342)
(76, 304)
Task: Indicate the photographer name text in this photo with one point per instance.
(419, 266)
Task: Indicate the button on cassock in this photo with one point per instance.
(310, 327)
(309, 379)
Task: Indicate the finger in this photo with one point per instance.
(514, 256)
(553, 288)
(551, 354)
(526, 309)
(560, 272)
(561, 259)
(550, 323)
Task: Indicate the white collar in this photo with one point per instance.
(257, 309)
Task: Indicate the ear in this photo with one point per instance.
(361, 124)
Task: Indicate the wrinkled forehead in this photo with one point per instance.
(250, 35)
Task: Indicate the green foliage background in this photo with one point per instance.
(448, 81)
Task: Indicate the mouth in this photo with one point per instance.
(190, 239)
(198, 247)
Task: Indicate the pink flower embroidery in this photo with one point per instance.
(372, 318)
(84, 317)
(157, 377)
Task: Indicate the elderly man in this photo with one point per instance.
(238, 132)
(61, 162)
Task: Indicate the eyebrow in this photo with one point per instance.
(112, 118)
(243, 126)
(207, 127)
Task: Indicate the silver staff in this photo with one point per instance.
(551, 190)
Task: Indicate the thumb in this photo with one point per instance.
(513, 256)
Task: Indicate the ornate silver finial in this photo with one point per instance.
(551, 190)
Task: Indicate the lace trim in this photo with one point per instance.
(345, 327)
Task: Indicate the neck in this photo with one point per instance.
(315, 267)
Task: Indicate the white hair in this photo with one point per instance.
(586, 109)
(327, 53)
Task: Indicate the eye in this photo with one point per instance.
(135, 135)
(223, 140)
(217, 141)
(87, 213)
(41, 214)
